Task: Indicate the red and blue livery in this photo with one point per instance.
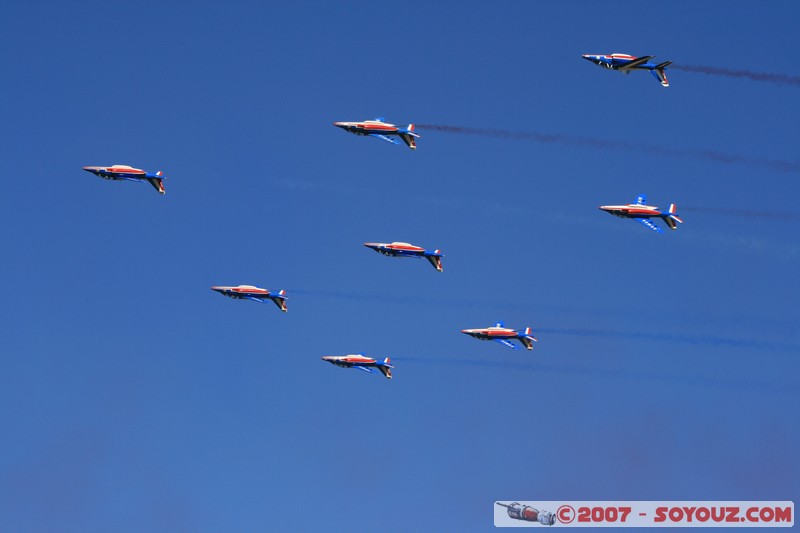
(126, 173)
(404, 249)
(627, 63)
(251, 292)
(642, 213)
(361, 362)
(381, 130)
(503, 335)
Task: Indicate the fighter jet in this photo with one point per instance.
(361, 362)
(126, 173)
(626, 63)
(404, 249)
(381, 130)
(503, 335)
(642, 213)
(249, 292)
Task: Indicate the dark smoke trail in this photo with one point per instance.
(782, 79)
(748, 213)
(551, 138)
(712, 340)
(542, 367)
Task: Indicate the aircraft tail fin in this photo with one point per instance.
(659, 73)
(408, 138)
(386, 368)
(410, 131)
(671, 217)
(157, 183)
(435, 260)
(526, 338)
(280, 300)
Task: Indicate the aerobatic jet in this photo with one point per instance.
(381, 130)
(249, 292)
(503, 335)
(361, 362)
(642, 213)
(404, 249)
(126, 173)
(626, 63)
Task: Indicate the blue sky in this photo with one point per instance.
(136, 399)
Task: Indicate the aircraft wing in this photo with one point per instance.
(365, 369)
(383, 137)
(507, 343)
(259, 300)
(636, 62)
(649, 223)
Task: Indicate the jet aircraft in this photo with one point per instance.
(361, 362)
(642, 213)
(249, 292)
(626, 63)
(404, 249)
(126, 173)
(381, 130)
(503, 335)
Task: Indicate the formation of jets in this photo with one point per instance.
(378, 128)
(627, 63)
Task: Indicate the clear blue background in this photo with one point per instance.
(133, 398)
